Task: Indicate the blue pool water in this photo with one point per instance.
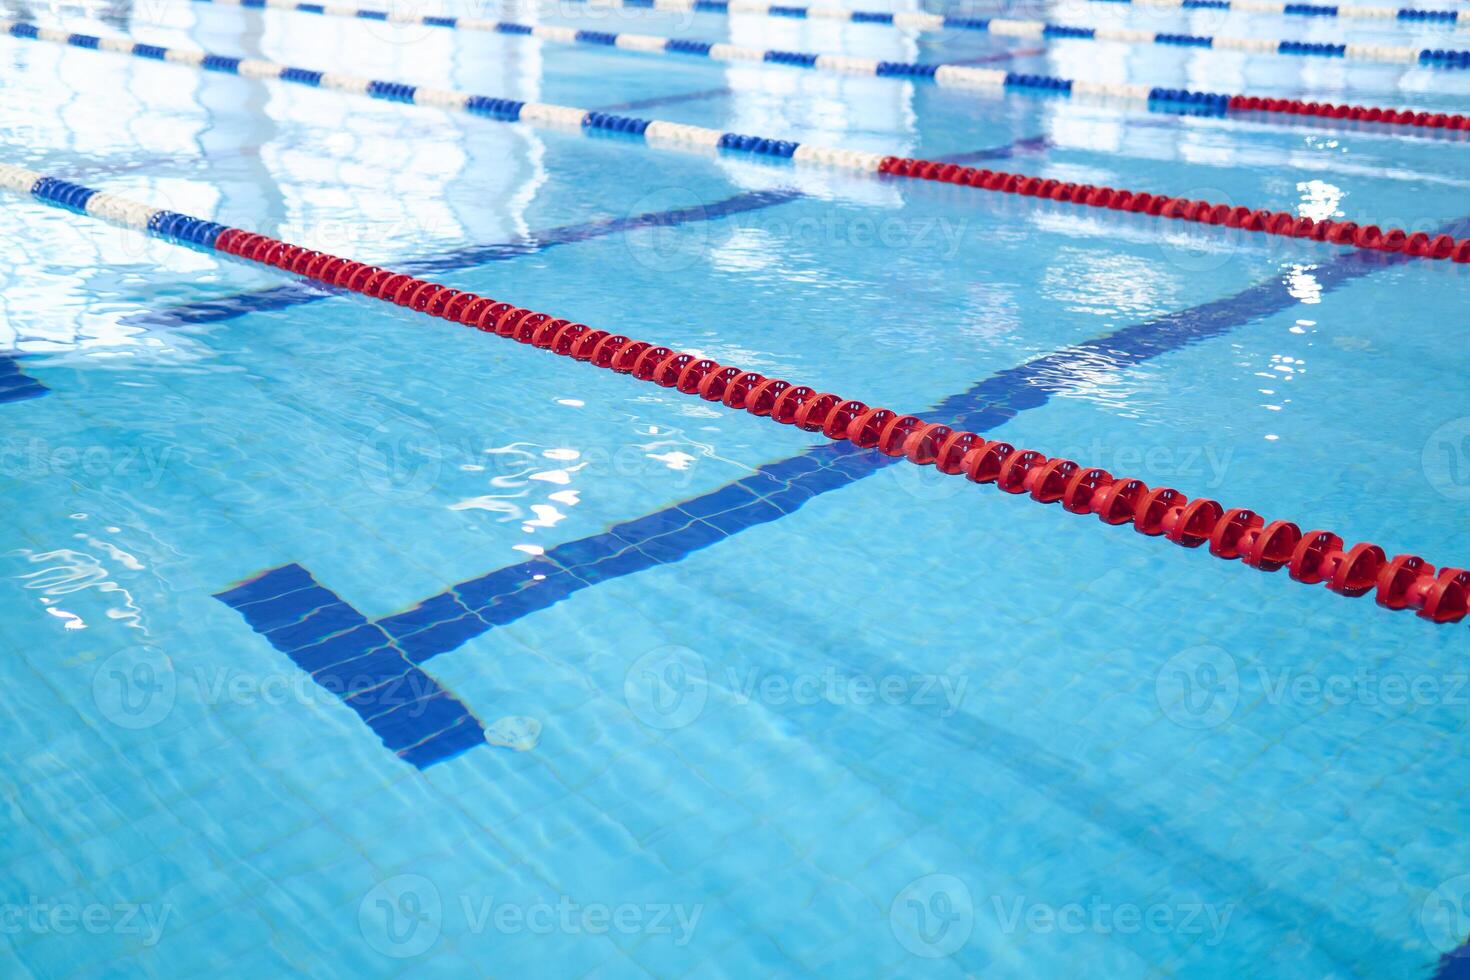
(695, 694)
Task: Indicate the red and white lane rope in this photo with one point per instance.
(660, 133)
(1313, 556)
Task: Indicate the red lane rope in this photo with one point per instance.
(1403, 582)
(1362, 113)
(1282, 223)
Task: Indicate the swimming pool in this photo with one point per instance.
(340, 638)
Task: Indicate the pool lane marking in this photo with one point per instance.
(1015, 54)
(16, 385)
(1440, 594)
(663, 100)
(1034, 30)
(1026, 146)
(699, 139)
(414, 716)
(1454, 965)
(1158, 99)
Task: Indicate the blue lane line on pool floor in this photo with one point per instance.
(1454, 966)
(16, 385)
(1000, 56)
(446, 621)
(663, 100)
(302, 291)
(1028, 146)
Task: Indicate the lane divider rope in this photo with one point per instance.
(1316, 556)
(1031, 29)
(1278, 8)
(676, 135)
(936, 22)
(654, 44)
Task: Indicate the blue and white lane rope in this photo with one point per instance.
(1275, 7)
(951, 74)
(679, 136)
(567, 118)
(655, 131)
